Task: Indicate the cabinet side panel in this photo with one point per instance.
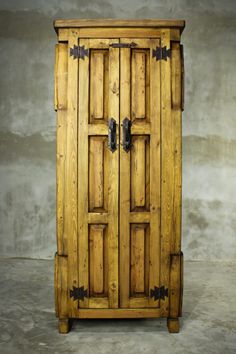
(176, 112)
(167, 170)
(61, 79)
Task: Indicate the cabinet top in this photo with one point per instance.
(76, 23)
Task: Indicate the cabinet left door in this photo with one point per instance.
(91, 207)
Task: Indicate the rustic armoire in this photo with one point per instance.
(119, 101)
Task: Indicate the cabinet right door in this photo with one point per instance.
(140, 173)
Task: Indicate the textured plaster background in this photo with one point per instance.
(27, 124)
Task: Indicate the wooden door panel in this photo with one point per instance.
(98, 175)
(140, 84)
(99, 85)
(140, 175)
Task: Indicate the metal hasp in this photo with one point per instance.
(112, 134)
(161, 53)
(78, 293)
(159, 293)
(126, 126)
(79, 52)
(123, 45)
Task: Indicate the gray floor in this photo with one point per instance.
(28, 323)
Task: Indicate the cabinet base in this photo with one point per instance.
(173, 325)
(64, 325)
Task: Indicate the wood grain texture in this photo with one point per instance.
(118, 23)
(138, 84)
(118, 313)
(173, 325)
(111, 32)
(83, 119)
(177, 136)
(61, 81)
(140, 168)
(175, 285)
(98, 178)
(137, 278)
(61, 286)
(122, 206)
(97, 256)
(167, 168)
(71, 176)
(124, 249)
(113, 189)
(155, 172)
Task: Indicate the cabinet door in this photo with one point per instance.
(98, 101)
(140, 174)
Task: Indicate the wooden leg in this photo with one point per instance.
(173, 325)
(64, 325)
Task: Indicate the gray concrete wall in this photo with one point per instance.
(27, 124)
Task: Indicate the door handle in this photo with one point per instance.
(126, 125)
(112, 134)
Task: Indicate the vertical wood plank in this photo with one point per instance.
(137, 259)
(138, 84)
(155, 178)
(61, 279)
(96, 238)
(125, 76)
(96, 173)
(167, 185)
(138, 168)
(61, 80)
(71, 204)
(113, 188)
(83, 176)
(177, 136)
(175, 285)
(97, 84)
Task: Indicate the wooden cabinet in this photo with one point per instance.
(119, 100)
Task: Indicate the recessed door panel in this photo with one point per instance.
(140, 173)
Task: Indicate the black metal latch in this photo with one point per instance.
(79, 52)
(159, 293)
(123, 45)
(78, 293)
(112, 134)
(126, 125)
(161, 53)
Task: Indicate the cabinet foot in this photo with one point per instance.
(64, 325)
(173, 325)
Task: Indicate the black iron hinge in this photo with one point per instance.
(161, 53)
(159, 293)
(78, 293)
(79, 52)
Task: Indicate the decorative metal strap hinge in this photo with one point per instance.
(159, 293)
(79, 52)
(161, 53)
(78, 293)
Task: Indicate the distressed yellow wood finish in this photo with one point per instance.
(167, 171)
(98, 176)
(140, 175)
(119, 213)
(71, 175)
(61, 80)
